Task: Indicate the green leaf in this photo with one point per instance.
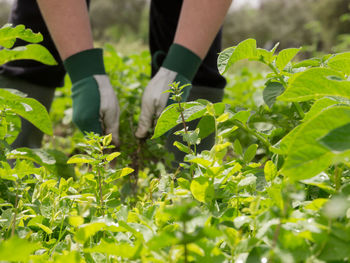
(242, 116)
(340, 62)
(334, 249)
(119, 174)
(265, 56)
(316, 108)
(76, 221)
(249, 180)
(315, 83)
(202, 189)
(112, 156)
(270, 171)
(31, 51)
(250, 153)
(192, 137)
(28, 108)
(316, 204)
(306, 156)
(80, 158)
(238, 147)
(88, 230)
(182, 147)
(18, 250)
(244, 50)
(9, 35)
(313, 62)
(271, 92)
(337, 140)
(107, 140)
(123, 250)
(206, 126)
(285, 56)
(170, 117)
(45, 228)
(223, 117)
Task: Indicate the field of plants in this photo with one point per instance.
(275, 187)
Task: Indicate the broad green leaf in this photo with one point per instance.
(21, 169)
(206, 126)
(53, 160)
(244, 50)
(18, 250)
(112, 156)
(126, 171)
(316, 204)
(80, 158)
(182, 147)
(31, 51)
(264, 55)
(337, 140)
(76, 221)
(242, 116)
(315, 83)
(45, 228)
(285, 56)
(334, 250)
(201, 161)
(9, 34)
(249, 180)
(271, 92)
(28, 108)
(88, 230)
(313, 62)
(202, 189)
(192, 137)
(119, 174)
(223, 117)
(123, 250)
(340, 62)
(238, 147)
(307, 157)
(270, 171)
(107, 140)
(316, 108)
(170, 117)
(250, 153)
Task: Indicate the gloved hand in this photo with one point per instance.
(180, 65)
(95, 105)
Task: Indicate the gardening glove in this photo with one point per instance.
(95, 105)
(180, 65)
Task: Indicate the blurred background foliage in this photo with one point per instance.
(317, 25)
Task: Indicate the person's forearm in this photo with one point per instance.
(200, 21)
(69, 25)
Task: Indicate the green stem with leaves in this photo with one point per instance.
(280, 77)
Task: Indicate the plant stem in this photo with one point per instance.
(15, 216)
(185, 245)
(337, 177)
(100, 189)
(254, 133)
(280, 77)
(184, 124)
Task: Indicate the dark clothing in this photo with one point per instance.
(164, 16)
(163, 21)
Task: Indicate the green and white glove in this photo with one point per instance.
(95, 105)
(180, 65)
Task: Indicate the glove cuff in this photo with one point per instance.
(182, 60)
(85, 64)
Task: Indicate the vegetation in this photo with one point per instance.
(274, 188)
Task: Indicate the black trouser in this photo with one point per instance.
(163, 21)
